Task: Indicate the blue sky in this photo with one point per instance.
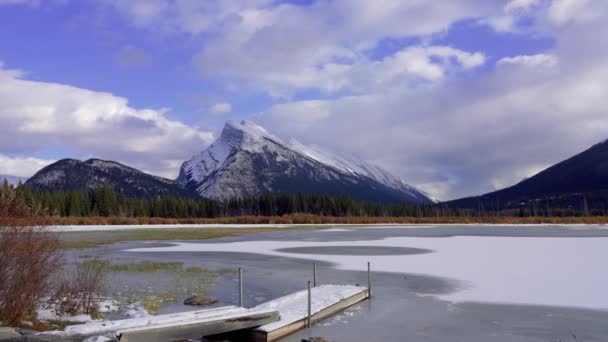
(445, 94)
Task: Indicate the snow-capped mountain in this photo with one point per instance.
(71, 174)
(248, 160)
(12, 180)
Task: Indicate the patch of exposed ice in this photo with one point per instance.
(335, 230)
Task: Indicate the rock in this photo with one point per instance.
(199, 300)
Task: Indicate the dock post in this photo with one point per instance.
(309, 322)
(314, 274)
(240, 287)
(369, 279)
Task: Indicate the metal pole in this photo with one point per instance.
(309, 323)
(314, 274)
(369, 279)
(240, 287)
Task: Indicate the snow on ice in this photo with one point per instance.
(542, 271)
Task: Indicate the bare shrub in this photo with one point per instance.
(28, 257)
(79, 291)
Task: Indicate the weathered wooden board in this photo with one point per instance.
(197, 329)
(111, 327)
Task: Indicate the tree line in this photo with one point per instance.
(106, 202)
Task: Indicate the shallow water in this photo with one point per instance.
(404, 307)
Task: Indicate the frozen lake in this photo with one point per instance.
(460, 283)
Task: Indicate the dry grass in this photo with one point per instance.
(311, 219)
(82, 240)
(78, 291)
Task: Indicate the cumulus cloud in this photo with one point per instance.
(92, 123)
(287, 48)
(563, 11)
(22, 166)
(473, 135)
(221, 108)
(282, 48)
(182, 16)
(512, 13)
(517, 5)
(531, 61)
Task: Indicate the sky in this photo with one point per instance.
(458, 98)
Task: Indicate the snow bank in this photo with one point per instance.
(521, 270)
(294, 307)
(49, 314)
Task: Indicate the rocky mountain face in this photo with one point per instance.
(580, 180)
(71, 174)
(248, 160)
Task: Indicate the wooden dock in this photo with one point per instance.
(326, 300)
(195, 329)
(266, 322)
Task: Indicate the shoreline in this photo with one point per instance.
(299, 220)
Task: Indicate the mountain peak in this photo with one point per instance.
(75, 175)
(244, 132)
(248, 160)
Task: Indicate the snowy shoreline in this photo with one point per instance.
(121, 227)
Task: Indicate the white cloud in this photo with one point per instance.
(221, 108)
(518, 5)
(182, 16)
(530, 61)
(22, 167)
(284, 48)
(301, 113)
(564, 11)
(91, 123)
(470, 136)
(513, 11)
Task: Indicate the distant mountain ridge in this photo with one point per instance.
(248, 160)
(582, 178)
(71, 174)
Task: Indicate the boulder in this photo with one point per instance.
(199, 300)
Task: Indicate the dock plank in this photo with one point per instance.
(327, 300)
(200, 328)
(105, 327)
